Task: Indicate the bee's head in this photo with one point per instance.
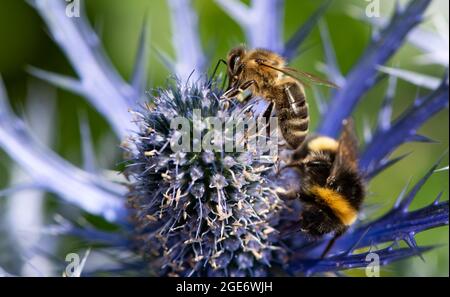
(234, 64)
(234, 59)
(315, 169)
(347, 182)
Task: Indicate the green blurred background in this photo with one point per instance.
(24, 41)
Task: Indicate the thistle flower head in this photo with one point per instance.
(200, 212)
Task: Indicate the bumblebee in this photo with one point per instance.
(332, 187)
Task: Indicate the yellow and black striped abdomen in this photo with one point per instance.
(338, 204)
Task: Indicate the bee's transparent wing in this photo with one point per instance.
(302, 76)
(309, 77)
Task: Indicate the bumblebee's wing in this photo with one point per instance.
(347, 153)
(301, 76)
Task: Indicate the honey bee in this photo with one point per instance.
(331, 185)
(265, 74)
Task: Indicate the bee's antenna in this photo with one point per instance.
(224, 80)
(215, 70)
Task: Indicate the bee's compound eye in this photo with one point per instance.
(234, 60)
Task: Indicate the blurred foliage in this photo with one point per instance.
(24, 41)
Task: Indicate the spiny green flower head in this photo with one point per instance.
(206, 212)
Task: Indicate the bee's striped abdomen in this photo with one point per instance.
(338, 203)
(293, 129)
(297, 100)
(294, 119)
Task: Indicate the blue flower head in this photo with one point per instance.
(200, 212)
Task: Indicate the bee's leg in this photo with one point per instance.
(274, 111)
(331, 243)
(238, 89)
(286, 194)
(247, 85)
(230, 94)
(269, 111)
(266, 116)
(277, 166)
(225, 103)
(244, 90)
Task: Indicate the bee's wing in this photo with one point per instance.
(309, 77)
(301, 76)
(347, 153)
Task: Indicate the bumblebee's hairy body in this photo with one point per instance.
(331, 186)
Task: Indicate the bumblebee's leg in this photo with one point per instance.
(331, 243)
(286, 194)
